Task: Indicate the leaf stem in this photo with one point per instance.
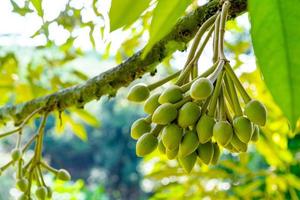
(237, 83)
(223, 19)
(163, 81)
(236, 104)
(214, 99)
(22, 124)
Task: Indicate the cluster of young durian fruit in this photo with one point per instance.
(196, 121)
(198, 115)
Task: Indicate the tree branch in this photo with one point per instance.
(108, 83)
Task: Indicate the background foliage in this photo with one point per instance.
(94, 144)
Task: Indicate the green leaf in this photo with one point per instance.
(87, 117)
(38, 6)
(125, 12)
(275, 34)
(165, 16)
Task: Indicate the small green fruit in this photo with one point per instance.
(217, 153)
(201, 89)
(243, 128)
(139, 127)
(256, 112)
(146, 144)
(138, 93)
(161, 147)
(151, 104)
(188, 162)
(188, 114)
(222, 132)
(22, 184)
(188, 144)
(23, 197)
(255, 134)
(49, 192)
(171, 136)
(41, 193)
(172, 94)
(231, 148)
(171, 154)
(164, 114)
(63, 175)
(205, 128)
(16, 154)
(238, 144)
(206, 152)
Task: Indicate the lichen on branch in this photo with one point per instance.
(108, 82)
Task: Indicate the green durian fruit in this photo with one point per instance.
(41, 193)
(63, 175)
(206, 152)
(171, 154)
(146, 144)
(188, 144)
(188, 114)
(164, 114)
(16, 154)
(138, 93)
(171, 136)
(201, 89)
(222, 132)
(22, 184)
(243, 128)
(205, 128)
(238, 144)
(172, 94)
(217, 153)
(188, 162)
(256, 112)
(161, 147)
(255, 134)
(139, 127)
(151, 104)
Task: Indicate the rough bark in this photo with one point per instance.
(108, 82)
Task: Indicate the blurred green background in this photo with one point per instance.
(94, 144)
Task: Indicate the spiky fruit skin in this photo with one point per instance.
(222, 132)
(201, 89)
(188, 114)
(206, 152)
(164, 114)
(255, 134)
(22, 184)
(138, 93)
(41, 193)
(243, 128)
(216, 155)
(161, 147)
(139, 127)
(188, 162)
(238, 144)
(205, 128)
(172, 94)
(146, 144)
(63, 175)
(256, 112)
(16, 154)
(171, 136)
(188, 144)
(151, 104)
(171, 154)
